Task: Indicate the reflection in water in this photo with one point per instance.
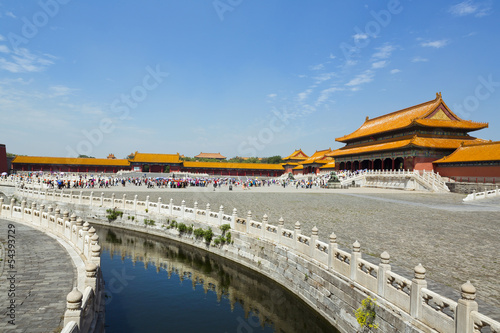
(221, 297)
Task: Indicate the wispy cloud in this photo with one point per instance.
(317, 67)
(22, 60)
(469, 7)
(324, 77)
(395, 71)
(2, 38)
(303, 95)
(365, 77)
(379, 64)
(272, 95)
(10, 14)
(359, 36)
(419, 59)
(325, 94)
(383, 52)
(4, 49)
(59, 91)
(436, 44)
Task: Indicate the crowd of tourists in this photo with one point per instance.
(91, 181)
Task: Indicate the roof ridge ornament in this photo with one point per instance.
(438, 95)
(367, 118)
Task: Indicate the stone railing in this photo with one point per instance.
(398, 179)
(425, 309)
(482, 195)
(85, 303)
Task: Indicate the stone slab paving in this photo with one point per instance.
(454, 241)
(44, 275)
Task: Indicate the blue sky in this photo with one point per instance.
(239, 77)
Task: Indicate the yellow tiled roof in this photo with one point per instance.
(156, 158)
(318, 157)
(470, 152)
(436, 143)
(433, 110)
(225, 165)
(298, 167)
(69, 161)
(210, 155)
(329, 165)
(297, 155)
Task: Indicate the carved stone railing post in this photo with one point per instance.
(91, 198)
(113, 198)
(147, 203)
(265, 219)
(102, 199)
(124, 200)
(234, 218)
(171, 207)
(42, 208)
(183, 208)
(249, 218)
(221, 213)
(73, 307)
(12, 202)
(281, 224)
(417, 284)
(80, 197)
(91, 275)
(135, 203)
(296, 233)
(33, 208)
(23, 205)
(207, 213)
(314, 238)
(1, 205)
(331, 249)
(78, 227)
(465, 305)
(383, 267)
(195, 210)
(159, 205)
(355, 256)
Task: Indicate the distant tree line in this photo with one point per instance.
(265, 160)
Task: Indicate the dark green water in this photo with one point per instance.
(157, 285)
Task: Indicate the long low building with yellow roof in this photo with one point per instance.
(479, 159)
(411, 138)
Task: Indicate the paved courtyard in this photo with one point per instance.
(44, 275)
(454, 241)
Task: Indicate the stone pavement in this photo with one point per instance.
(44, 275)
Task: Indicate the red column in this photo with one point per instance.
(392, 164)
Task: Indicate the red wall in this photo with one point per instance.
(3, 159)
(468, 171)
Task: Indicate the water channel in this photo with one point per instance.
(158, 285)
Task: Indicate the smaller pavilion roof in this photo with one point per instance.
(474, 152)
(298, 154)
(210, 155)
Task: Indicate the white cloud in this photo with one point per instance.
(395, 71)
(436, 44)
(325, 94)
(59, 91)
(302, 76)
(359, 36)
(24, 61)
(379, 64)
(469, 7)
(324, 77)
(2, 38)
(365, 77)
(332, 56)
(272, 95)
(383, 52)
(419, 59)
(4, 49)
(11, 14)
(317, 67)
(303, 95)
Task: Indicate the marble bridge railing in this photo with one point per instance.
(427, 308)
(85, 303)
(482, 195)
(399, 179)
